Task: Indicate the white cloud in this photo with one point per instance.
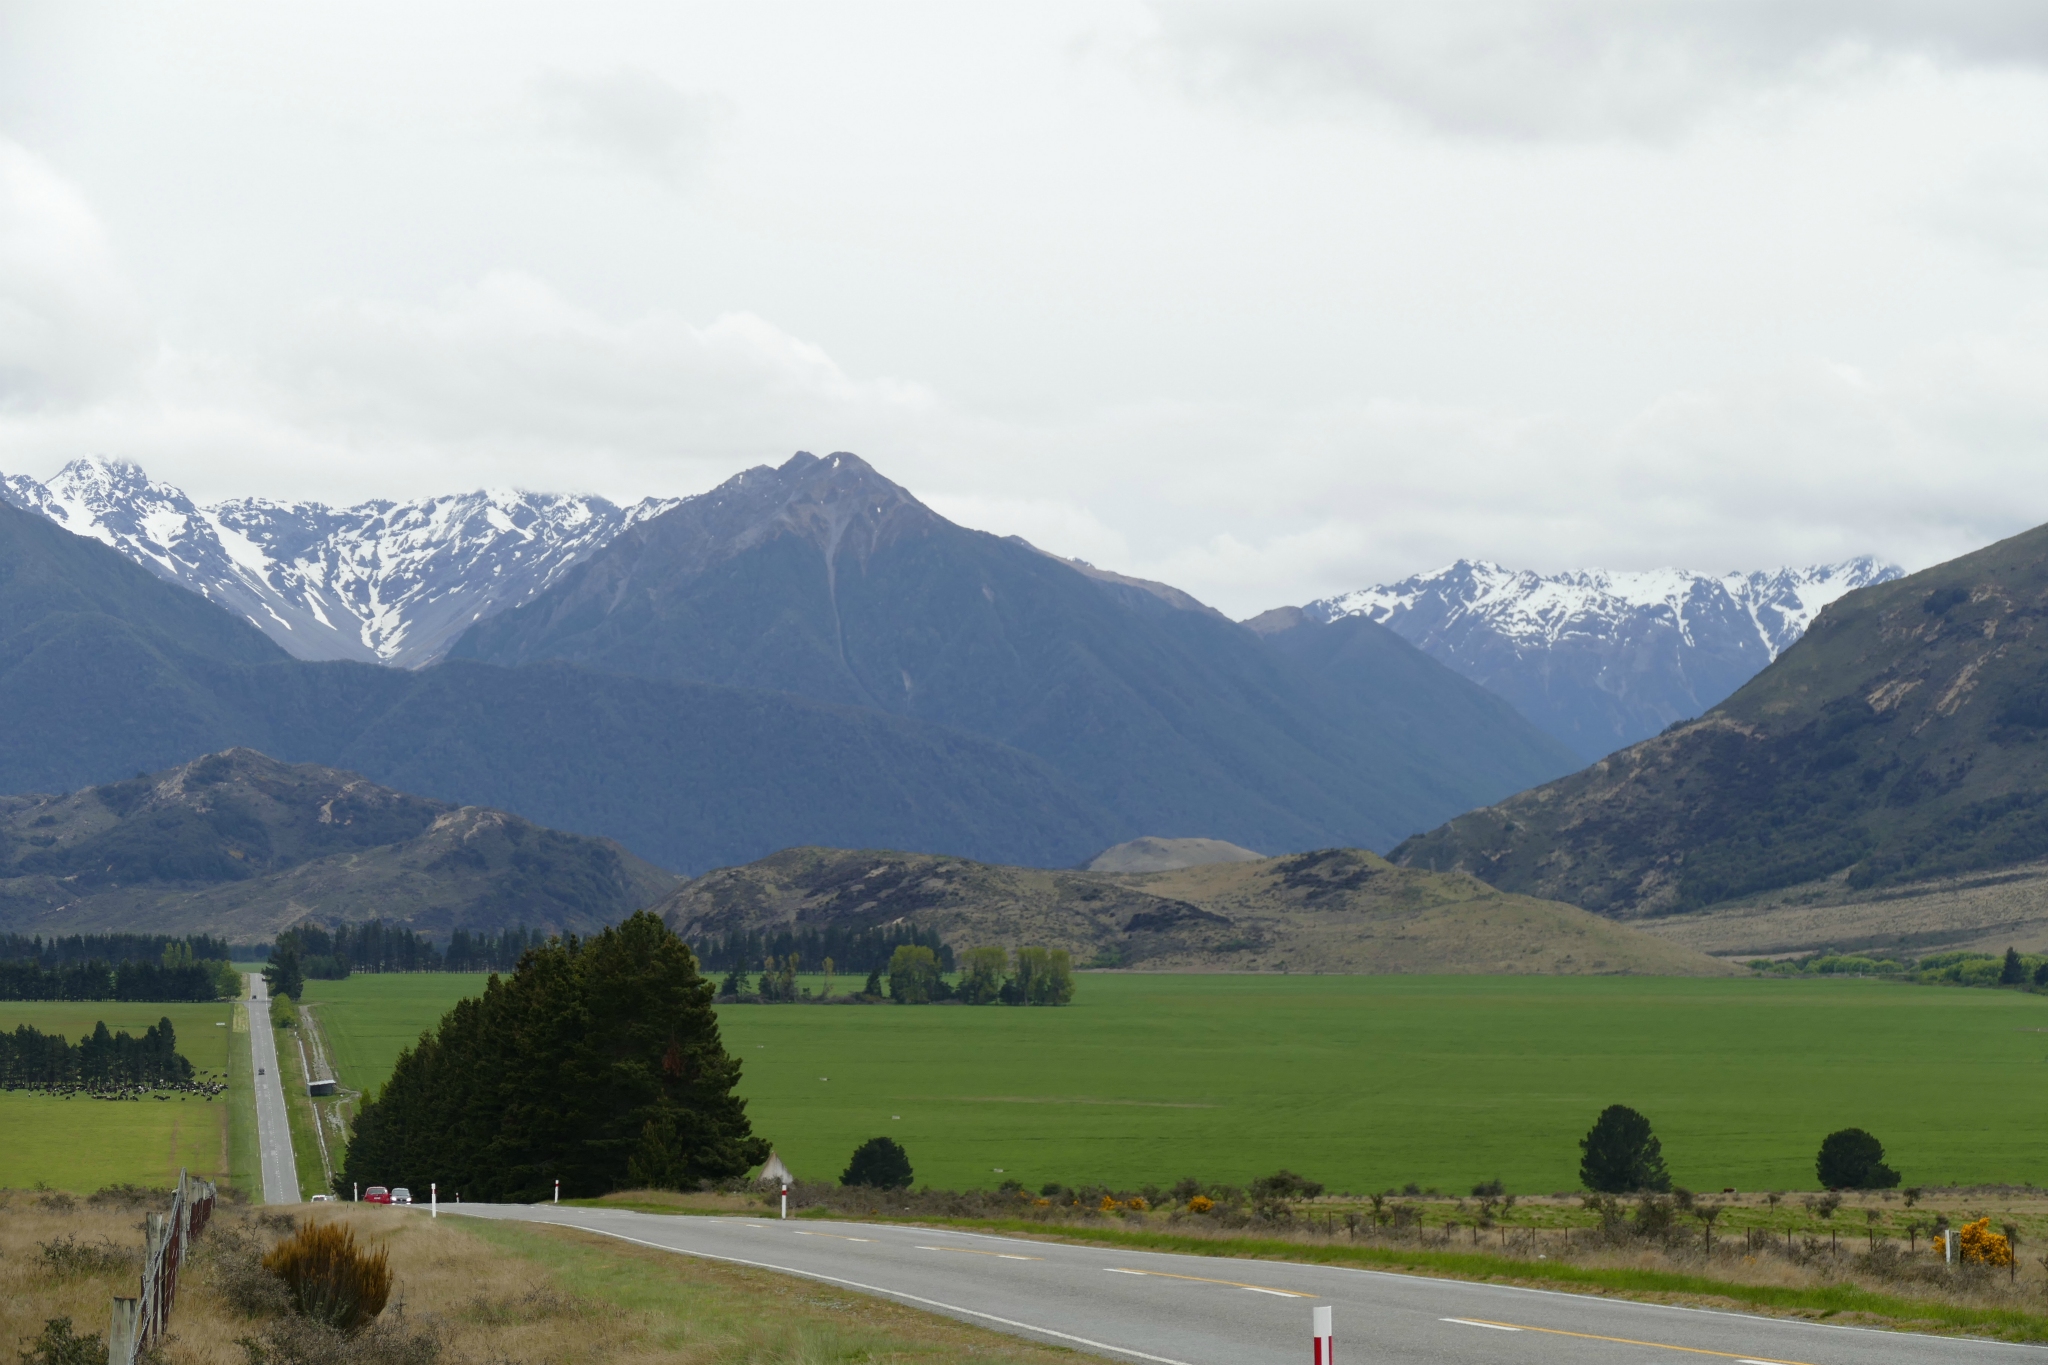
(1576, 68)
(70, 329)
(629, 115)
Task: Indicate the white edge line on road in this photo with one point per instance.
(1496, 1327)
(878, 1289)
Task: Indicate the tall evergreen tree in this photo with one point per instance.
(1621, 1155)
(598, 1063)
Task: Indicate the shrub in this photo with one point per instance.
(59, 1346)
(1852, 1159)
(67, 1255)
(1489, 1189)
(1200, 1203)
(329, 1279)
(1621, 1155)
(1981, 1246)
(302, 1341)
(879, 1163)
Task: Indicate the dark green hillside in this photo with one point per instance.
(823, 578)
(106, 672)
(241, 846)
(1905, 737)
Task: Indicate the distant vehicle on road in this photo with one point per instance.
(401, 1195)
(376, 1194)
(323, 1198)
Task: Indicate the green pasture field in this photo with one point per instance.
(1366, 1082)
(370, 1018)
(81, 1144)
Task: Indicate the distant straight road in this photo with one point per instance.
(1200, 1310)
(273, 1129)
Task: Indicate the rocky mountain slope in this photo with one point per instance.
(241, 846)
(1600, 660)
(1903, 737)
(381, 582)
(824, 579)
(1337, 910)
(106, 669)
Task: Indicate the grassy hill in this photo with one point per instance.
(1904, 738)
(1339, 910)
(239, 845)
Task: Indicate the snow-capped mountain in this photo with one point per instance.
(381, 582)
(1601, 659)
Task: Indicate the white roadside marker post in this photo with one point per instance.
(558, 1191)
(433, 1200)
(1326, 1342)
(1948, 1246)
(785, 1199)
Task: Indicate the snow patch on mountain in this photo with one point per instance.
(1598, 658)
(380, 582)
(1545, 609)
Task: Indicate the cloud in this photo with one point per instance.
(70, 327)
(628, 115)
(1576, 68)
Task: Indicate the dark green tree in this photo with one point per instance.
(879, 1163)
(1621, 1154)
(2041, 975)
(1853, 1160)
(2014, 972)
(873, 989)
(286, 973)
(597, 1062)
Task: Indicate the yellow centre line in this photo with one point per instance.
(1201, 1279)
(976, 1251)
(1630, 1341)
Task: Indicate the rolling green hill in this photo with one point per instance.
(241, 846)
(1905, 737)
(1338, 910)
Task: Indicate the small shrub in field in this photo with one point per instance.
(1201, 1203)
(880, 1163)
(59, 1346)
(330, 1280)
(1853, 1160)
(67, 1255)
(1981, 1246)
(302, 1341)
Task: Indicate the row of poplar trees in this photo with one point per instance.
(597, 1062)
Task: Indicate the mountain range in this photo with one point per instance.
(805, 655)
(241, 846)
(380, 582)
(1598, 659)
(1902, 738)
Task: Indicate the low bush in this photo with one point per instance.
(58, 1345)
(307, 1341)
(330, 1280)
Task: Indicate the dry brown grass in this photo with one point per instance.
(479, 1294)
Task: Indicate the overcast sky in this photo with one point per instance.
(1269, 300)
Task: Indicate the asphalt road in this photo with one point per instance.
(273, 1130)
(1199, 1310)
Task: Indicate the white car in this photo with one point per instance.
(323, 1198)
(401, 1195)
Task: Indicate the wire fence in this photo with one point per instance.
(139, 1323)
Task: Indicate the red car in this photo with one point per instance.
(376, 1194)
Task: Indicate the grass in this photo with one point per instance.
(299, 1115)
(487, 1292)
(1365, 1082)
(82, 1144)
(245, 1168)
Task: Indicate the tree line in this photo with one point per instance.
(597, 1062)
(330, 954)
(849, 950)
(58, 950)
(176, 975)
(31, 1059)
(916, 975)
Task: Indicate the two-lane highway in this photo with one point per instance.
(1198, 1310)
(273, 1128)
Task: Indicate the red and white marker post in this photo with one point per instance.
(558, 1191)
(433, 1200)
(1326, 1342)
(785, 1199)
